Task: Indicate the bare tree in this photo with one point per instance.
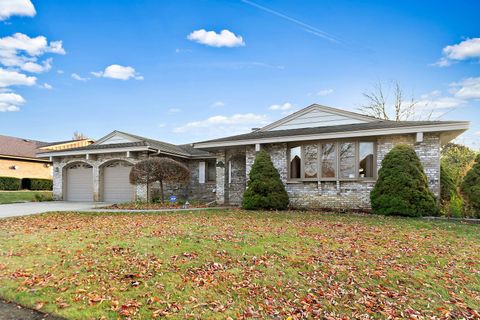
(161, 170)
(379, 104)
(78, 136)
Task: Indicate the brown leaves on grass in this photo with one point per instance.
(240, 265)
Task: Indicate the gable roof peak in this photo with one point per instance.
(318, 115)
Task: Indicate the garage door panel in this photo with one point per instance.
(79, 183)
(116, 183)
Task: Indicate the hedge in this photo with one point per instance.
(10, 183)
(37, 184)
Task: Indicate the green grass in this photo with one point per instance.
(219, 264)
(22, 196)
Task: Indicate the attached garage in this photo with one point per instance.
(79, 184)
(116, 183)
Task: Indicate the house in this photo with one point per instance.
(100, 171)
(18, 156)
(326, 157)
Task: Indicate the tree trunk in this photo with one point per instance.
(161, 191)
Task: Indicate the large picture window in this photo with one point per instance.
(329, 160)
(311, 161)
(346, 160)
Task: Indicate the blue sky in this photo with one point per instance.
(165, 69)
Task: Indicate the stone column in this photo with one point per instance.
(250, 154)
(220, 179)
(57, 181)
(96, 181)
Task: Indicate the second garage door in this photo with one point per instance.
(116, 184)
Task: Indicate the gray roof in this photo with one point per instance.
(18, 147)
(380, 124)
(179, 150)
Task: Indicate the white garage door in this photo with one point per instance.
(79, 183)
(116, 184)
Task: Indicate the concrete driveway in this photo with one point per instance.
(21, 209)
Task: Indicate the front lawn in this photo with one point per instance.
(237, 264)
(23, 196)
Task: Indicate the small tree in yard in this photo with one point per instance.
(402, 187)
(161, 170)
(265, 189)
(470, 188)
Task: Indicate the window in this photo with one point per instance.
(347, 160)
(211, 170)
(329, 160)
(366, 158)
(332, 161)
(311, 161)
(295, 162)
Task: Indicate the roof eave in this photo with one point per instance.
(456, 126)
(93, 151)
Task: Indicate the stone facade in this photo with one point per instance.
(338, 194)
(192, 191)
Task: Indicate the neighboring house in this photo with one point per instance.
(326, 157)
(18, 156)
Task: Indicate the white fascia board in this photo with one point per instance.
(92, 151)
(338, 135)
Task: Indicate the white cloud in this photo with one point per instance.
(324, 92)
(119, 72)
(10, 8)
(14, 78)
(225, 38)
(38, 68)
(467, 89)
(465, 50)
(221, 125)
(21, 51)
(60, 72)
(78, 77)
(47, 86)
(283, 107)
(174, 110)
(218, 104)
(10, 102)
(435, 100)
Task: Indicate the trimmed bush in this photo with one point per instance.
(10, 183)
(470, 188)
(447, 185)
(402, 187)
(265, 189)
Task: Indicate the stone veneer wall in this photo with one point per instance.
(351, 194)
(193, 191)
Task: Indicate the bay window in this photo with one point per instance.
(345, 160)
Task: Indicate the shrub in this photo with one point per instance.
(10, 183)
(447, 185)
(265, 189)
(37, 184)
(470, 188)
(38, 197)
(402, 187)
(456, 205)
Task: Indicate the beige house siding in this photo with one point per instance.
(25, 169)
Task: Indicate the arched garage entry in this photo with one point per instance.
(79, 182)
(116, 185)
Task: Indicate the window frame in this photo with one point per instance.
(336, 143)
